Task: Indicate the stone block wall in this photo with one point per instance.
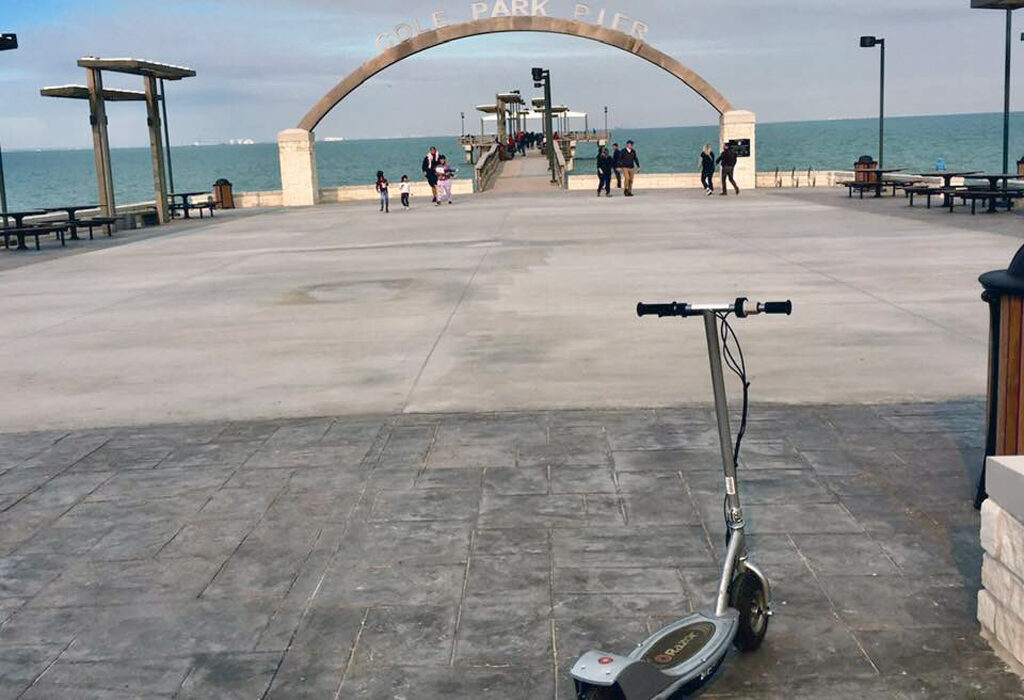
(1001, 599)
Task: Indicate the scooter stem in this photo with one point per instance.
(737, 549)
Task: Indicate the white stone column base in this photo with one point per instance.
(300, 184)
(740, 124)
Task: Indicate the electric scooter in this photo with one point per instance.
(680, 658)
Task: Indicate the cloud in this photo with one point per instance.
(262, 63)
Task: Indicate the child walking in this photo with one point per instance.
(382, 187)
(404, 189)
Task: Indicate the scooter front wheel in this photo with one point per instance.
(748, 597)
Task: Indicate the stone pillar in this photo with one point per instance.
(741, 124)
(300, 185)
(1001, 600)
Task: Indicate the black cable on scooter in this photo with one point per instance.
(739, 368)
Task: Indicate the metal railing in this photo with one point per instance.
(561, 170)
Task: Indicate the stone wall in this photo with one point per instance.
(1001, 599)
(353, 193)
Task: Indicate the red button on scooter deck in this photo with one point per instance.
(605, 660)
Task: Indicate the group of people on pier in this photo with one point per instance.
(522, 140)
(624, 163)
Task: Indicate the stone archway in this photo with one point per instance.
(299, 180)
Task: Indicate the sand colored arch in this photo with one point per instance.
(494, 25)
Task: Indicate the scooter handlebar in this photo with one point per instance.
(778, 307)
(741, 307)
(662, 310)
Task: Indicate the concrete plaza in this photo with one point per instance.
(330, 453)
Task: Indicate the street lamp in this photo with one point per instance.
(463, 115)
(606, 119)
(7, 42)
(870, 42)
(542, 78)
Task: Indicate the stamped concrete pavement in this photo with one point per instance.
(475, 555)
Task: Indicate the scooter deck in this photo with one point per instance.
(684, 653)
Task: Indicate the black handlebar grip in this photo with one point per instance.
(661, 310)
(778, 307)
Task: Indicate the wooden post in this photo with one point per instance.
(100, 142)
(156, 149)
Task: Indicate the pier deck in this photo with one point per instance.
(335, 453)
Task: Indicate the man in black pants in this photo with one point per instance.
(429, 172)
(728, 161)
(616, 156)
(604, 172)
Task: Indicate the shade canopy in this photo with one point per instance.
(135, 66)
(997, 4)
(81, 92)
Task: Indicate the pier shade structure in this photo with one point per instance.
(98, 96)
(297, 147)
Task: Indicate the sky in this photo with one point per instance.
(261, 64)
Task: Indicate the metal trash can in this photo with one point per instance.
(863, 169)
(223, 195)
(1004, 293)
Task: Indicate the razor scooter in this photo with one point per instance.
(682, 657)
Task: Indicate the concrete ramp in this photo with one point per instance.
(524, 174)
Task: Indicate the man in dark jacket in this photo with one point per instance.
(728, 161)
(605, 164)
(429, 172)
(616, 156)
(629, 161)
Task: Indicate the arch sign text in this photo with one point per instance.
(489, 9)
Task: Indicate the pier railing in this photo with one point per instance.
(487, 169)
(561, 170)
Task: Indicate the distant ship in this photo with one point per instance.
(331, 139)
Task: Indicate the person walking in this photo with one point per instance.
(707, 170)
(629, 162)
(430, 171)
(728, 161)
(382, 189)
(604, 172)
(616, 159)
(405, 188)
(444, 181)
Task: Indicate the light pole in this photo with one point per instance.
(606, 120)
(542, 78)
(869, 42)
(7, 42)
(463, 115)
(1008, 6)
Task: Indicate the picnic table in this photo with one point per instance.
(71, 211)
(876, 183)
(995, 178)
(185, 206)
(19, 216)
(947, 181)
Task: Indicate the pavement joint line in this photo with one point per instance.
(351, 656)
(451, 316)
(48, 667)
(462, 595)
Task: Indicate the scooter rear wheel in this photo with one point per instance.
(748, 597)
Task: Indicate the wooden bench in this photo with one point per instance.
(200, 206)
(861, 186)
(97, 221)
(928, 191)
(34, 231)
(991, 196)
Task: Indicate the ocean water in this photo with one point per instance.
(971, 141)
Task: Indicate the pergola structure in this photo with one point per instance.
(507, 107)
(98, 96)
